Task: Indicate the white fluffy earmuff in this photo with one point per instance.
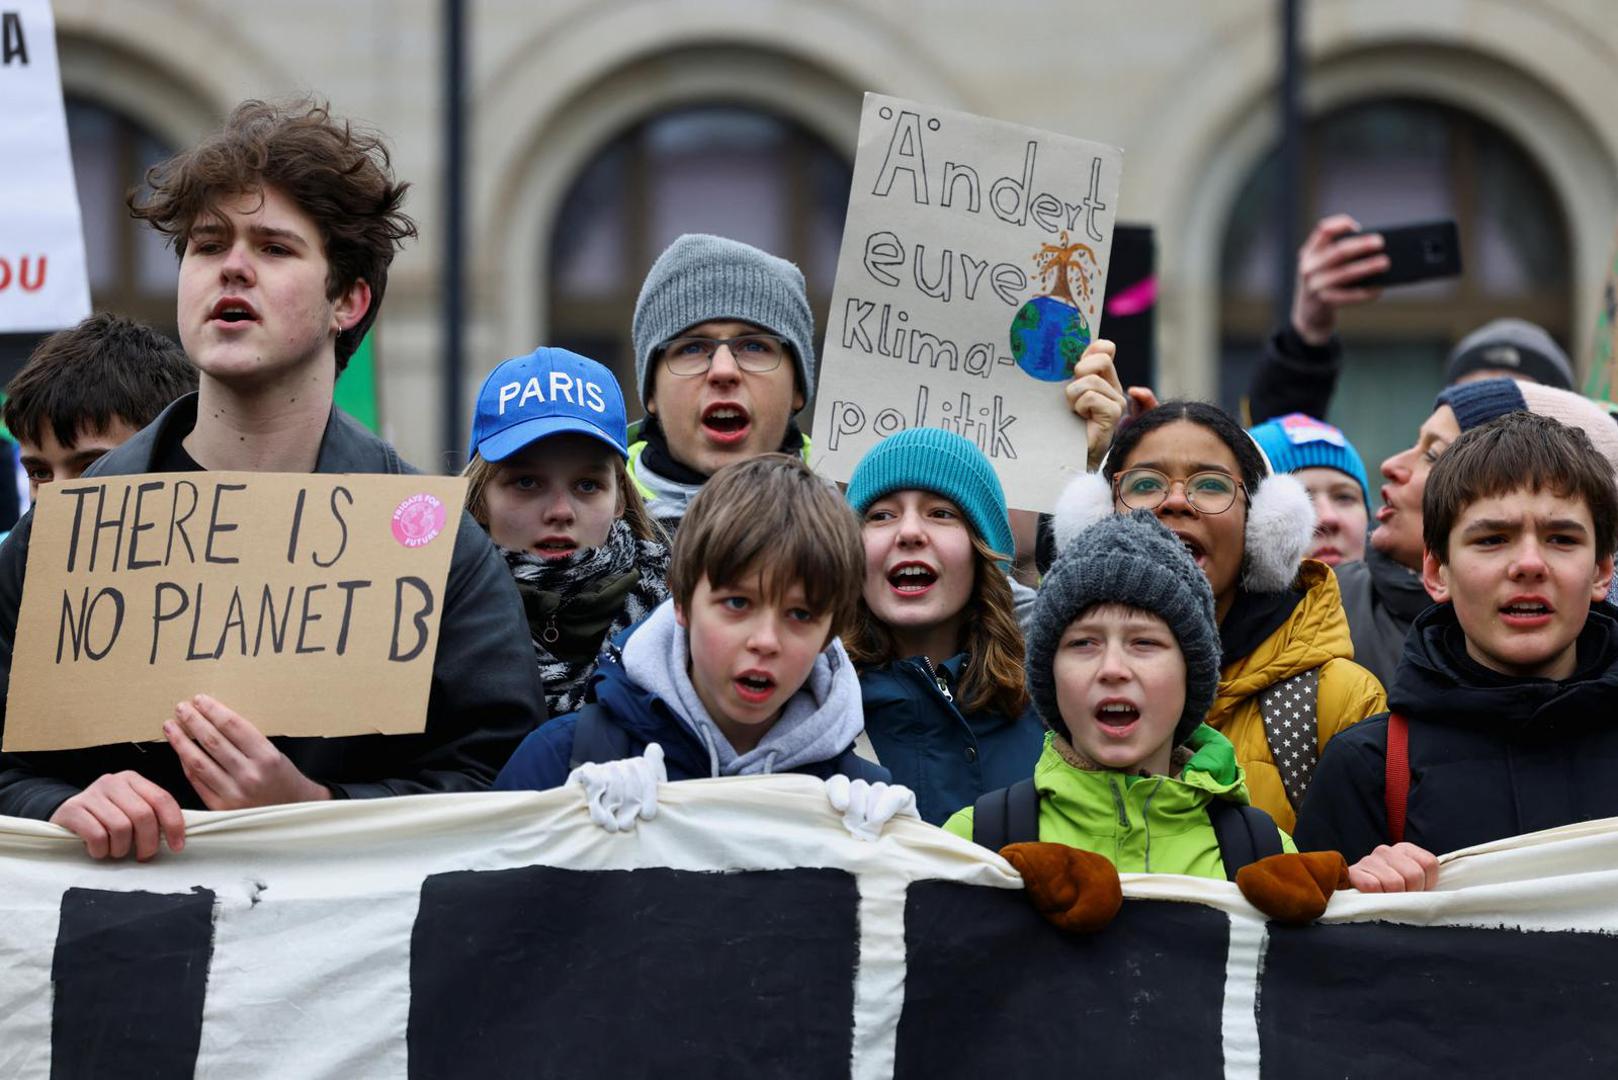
(1280, 529)
(1086, 500)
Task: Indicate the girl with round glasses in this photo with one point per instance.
(1287, 679)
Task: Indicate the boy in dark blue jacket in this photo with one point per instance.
(740, 672)
(1502, 718)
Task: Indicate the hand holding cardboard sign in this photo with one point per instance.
(121, 812)
(1097, 397)
(230, 762)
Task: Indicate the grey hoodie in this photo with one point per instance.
(818, 723)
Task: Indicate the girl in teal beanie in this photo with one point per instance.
(936, 640)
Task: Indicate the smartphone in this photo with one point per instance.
(1415, 253)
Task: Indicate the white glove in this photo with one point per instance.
(618, 792)
(866, 807)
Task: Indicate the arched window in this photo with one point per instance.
(1393, 162)
(737, 172)
(131, 271)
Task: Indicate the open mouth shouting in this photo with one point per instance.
(1526, 612)
(555, 547)
(754, 686)
(1117, 717)
(232, 312)
(912, 578)
(726, 423)
(1199, 554)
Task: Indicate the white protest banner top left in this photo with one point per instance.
(969, 282)
(309, 603)
(44, 284)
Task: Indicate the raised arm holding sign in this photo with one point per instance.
(312, 613)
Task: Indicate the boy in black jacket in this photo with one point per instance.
(1504, 701)
(285, 222)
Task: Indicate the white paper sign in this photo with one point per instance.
(969, 283)
(43, 281)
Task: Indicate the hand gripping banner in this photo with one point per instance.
(743, 932)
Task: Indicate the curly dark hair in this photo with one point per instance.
(339, 175)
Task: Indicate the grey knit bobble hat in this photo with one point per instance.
(699, 278)
(1131, 560)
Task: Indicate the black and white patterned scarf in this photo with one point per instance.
(575, 605)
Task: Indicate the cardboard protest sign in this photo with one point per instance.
(310, 604)
(43, 281)
(503, 934)
(969, 283)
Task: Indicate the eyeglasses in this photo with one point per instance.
(754, 353)
(1145, 489)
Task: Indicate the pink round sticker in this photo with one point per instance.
(418, 519)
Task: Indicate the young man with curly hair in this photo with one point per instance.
(285, 222)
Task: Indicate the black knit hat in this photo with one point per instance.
(1131, 560)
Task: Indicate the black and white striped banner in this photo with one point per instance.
(744, 933)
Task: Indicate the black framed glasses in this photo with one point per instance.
(754, 353)
(1145, 489)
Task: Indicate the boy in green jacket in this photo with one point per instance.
(1123, 662)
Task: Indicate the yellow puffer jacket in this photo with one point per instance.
(1315, 636)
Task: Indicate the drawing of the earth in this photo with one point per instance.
(1048, 337)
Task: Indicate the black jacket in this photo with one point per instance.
(1490, 756)
(1293, 376)
(1381, 598)
(486, 693)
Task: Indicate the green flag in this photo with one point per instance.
(356, 387)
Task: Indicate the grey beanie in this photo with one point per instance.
(699, 278)
(1511, 345)
(1131, 560)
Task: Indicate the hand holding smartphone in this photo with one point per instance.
(1416, 253)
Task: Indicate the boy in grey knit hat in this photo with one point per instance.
(1123, 664)
(724, 358)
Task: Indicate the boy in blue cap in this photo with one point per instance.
(548, 483)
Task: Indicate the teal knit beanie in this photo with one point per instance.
(931, 459)
(701, 278)
(1296, 441)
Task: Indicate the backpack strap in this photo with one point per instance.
(1290, 713)
(1246, 834)
(1008, 815)
(1396, 782)
(596, 739)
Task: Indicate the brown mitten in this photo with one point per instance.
(1293, 887)
(1076, 890)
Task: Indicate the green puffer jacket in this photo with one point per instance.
(1144, 824)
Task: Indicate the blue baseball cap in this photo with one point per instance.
(548, 392)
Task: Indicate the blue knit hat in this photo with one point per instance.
(931, 459)
(1296, 441)
(1476, 403)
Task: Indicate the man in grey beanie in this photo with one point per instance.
(724, 359)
